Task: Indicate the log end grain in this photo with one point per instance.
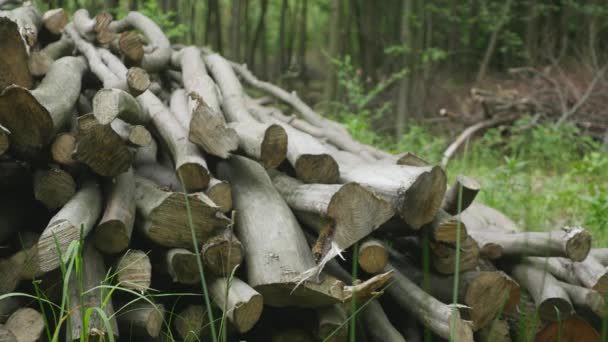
(411, 159)
(373, 257)
(62, 149)
(317, 169)
(182, 266)
(421, 201)
(134, 270)
(138, 80)
(555, 309)
(112, 236)
(190, 322)
(247, 314)
(482, 295)
(13, 65)
(53, 187)
(220, 192)
(194, 176)
(6, 335)
(26, 324)
(222, 254)
(131, 47)
(274, 147)
(578, 243)
(55, 20)
(140, 136)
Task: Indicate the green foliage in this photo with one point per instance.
(167, 20)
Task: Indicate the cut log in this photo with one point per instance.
(222, 253)
(584, 297)
(275, 247)
(62, 149)
(142, 319)
(341, 205)
(54, 20)
(241, 304)
(266, 143)
(190, 165)
(146, 155)
(443, 256)
(446, 228)
(571, 329)
(101, 148)
(26, 260)
(600, 254)
(84, 24)
(4, 140)
(26, 324)
(479, 217)
(550, 298)
(130, 46)
(6, 335)
(408, 158)
(138, 81)
(182, 266)
(84, 296)
(378, 326)
(40, 61)
(8, 305)
(441, 319)
(134, 270)
(109, 104)
(78, 215)
(161, 175)
(190, 322)
(53, 187)
(460, 196)
(113, 232)
(166, 219)
(28, 21)
(159, 57)
(573, 243)
(13, 64)
(592, 274)
(33, 117)
(134, 135)
(415, 192)
(330, 319)
(220, 192)
(205, 122)
(372, 257)
(497, 331)
(558, 267)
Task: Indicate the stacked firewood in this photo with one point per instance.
(152, 167)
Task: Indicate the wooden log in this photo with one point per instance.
(220, 192)
(146, 155)
(62, 149)
(241, 304)
(190, 165)
(341, 205)
(222, 253)
(8, 305)
(78, 215)
(592, 274)
(142, 319)
(84, 296)
(13, 64)
(191, 322)
(159, 57)
(182, 266)
(23, 265)
(438, 317)
(34, 116)
(443, 256)
(571, 329)
(28, 21)
(205, 122)
(166, 219)
(266, 143)
(53, 187)
(330, 319)
(275, 277)
(138, 81)
(134, 135)
(84, 24)
(4, 140)
(134, 270)
(479, 217)
(600, 254)
(40, 60)
(409, 158)
(113, 232)
(446, 228)
(161, 175)
(558, 267)
(101, 148)
(111, 103)
(26, 324)
(498, 331)
(54, 20)
(6, 335)
(573, 243)
(460, 195)
(377, 325)
(550, 298)
(372, 257)
(584, 297)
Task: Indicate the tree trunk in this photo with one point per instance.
(331, 82)
(404, 84)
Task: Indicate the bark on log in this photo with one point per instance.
(54, 20)
(330, 319)
(26, 324)
(6, 335)
(80, 213)
(442, 319)
(53, 187)
(134, 135)
(205, 122)
(600, 254)
(33, 117)
(559, 267)
(13, 64)
(147, 155)
(460, 196)
(28, 21)
(111, 103)
(138, 81)
(101, 148)
(479, 217)
(222, 253)
(408, 158)
(372, 257)
(241, 304)
(166, 216)
(113, 232)
(41, 60)
(377, 324)
(134, 271)
(550, 298)
(182, 266)
(190, 322)
(592, 274)
(159, 57)
(220, 192)
(340, 205)
(144, 320)
(584, 297)
(93, 275)
(446, 228)
(190, 165)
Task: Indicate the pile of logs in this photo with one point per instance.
(136, 175)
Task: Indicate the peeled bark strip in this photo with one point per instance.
(443, 256)
(182, 266)
(81, 211)
(113, 232)
(101, 148)
(571, 329)
(53, 187)
(573, 243)
(275, 247)
(442, 319)
(584, 297)
(378, 326)
(190, 165)
(415, 192)
(220, 192)
(342, 205)
(134, 135)
(372, 257)
(112, 103)
(13, 64)
(222, 253)
(460, 196)
(160, 56)
(40, 61)
(134, 270)
(166, 217)
(93, 275)
(63, 147)
(207, 125)
(142, 319)
(331, 318)
(54, 20)
(550, 298)
(242, 305)
(190, 322)
(26, 324)
(33, 117)
(138, 81)
(4, 140)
